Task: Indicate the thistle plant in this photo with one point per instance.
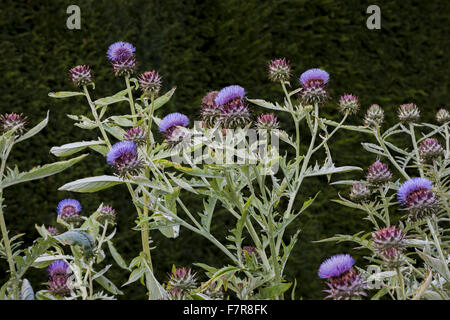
(14, 130)
(407, 248)
(162, 176)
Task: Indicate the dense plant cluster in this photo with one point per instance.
(241, 160)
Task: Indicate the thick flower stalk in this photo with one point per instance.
(344, 283)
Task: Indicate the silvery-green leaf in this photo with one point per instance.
(92, 184)
(266, 104)
(77, 237)
(162, 100)
(26, 292)
(36, 129)
(120, 96)
(117, 257)
(40, 172)
(108, 285)
(65, 94)
(74, 147)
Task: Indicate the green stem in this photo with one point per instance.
(130, 98)
(97, 119)
(414, 143)
(4, 229)
(388, 154)
(438, 247)
(447, 142)
(401, 283)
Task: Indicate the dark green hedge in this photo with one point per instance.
(203, 45)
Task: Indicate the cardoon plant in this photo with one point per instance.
(408, 259)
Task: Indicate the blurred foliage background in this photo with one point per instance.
(200, 46)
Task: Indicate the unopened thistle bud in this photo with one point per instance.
(267, 121)
(121, 55)
(387, 238)
(233, 110)
(348, 103)
(393, 257)
(429, 150)
(378, 174)
(123, 157)
(53, 231)
(314, 86)
(14, 121)
(210, 112)
(137, 135)
(213, 293)
(107, 213)
(359, 192)
(416, 196)
(183, 279)
(408, 113)
(69, 210)
(150, 83)
(344, 283)
(81, 75)
(279, 70)
(442, 116)
(374, 116)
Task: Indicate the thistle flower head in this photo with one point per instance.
(210, 112)
(348, 286)
(387, 238)
(150, 83)
(314, 89)
(58, 268)
(416, 196)
(14, 121)
(137, 135)
(69, 210)
(348, 103)
(314, 77)
(279, 70)
(107, 213)
(374, 116)
(81, 75)
(392, 257)
(234, 114)
(172, 120)
(359, 192)
(182, 279)
(378, 174)
(228, 94)
(119, 50)
(429, 150)
(336, 266)
(124, 66)
(267, 121)
(58, 286)
(53, 231)
(123, 157)
(442, 116)
(408, 113)
(213, 292)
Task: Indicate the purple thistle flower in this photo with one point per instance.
(267, 121)
(58, 286)
(415, 194)
(150, 82)
(120, 50)
(336, 266)
(172, 120)
(137, 135)
(53, 231)
(378, 174)
(210, 112)
(123, 157)
(107, 213)
(81, 75)
(387, 238)
(412, 186)
(58, 268)
(229, 94)
(279, 70)
(69, 210)
(313, 76)
(314, 89)
(14, 121)
(348, 103)
(429, 150)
